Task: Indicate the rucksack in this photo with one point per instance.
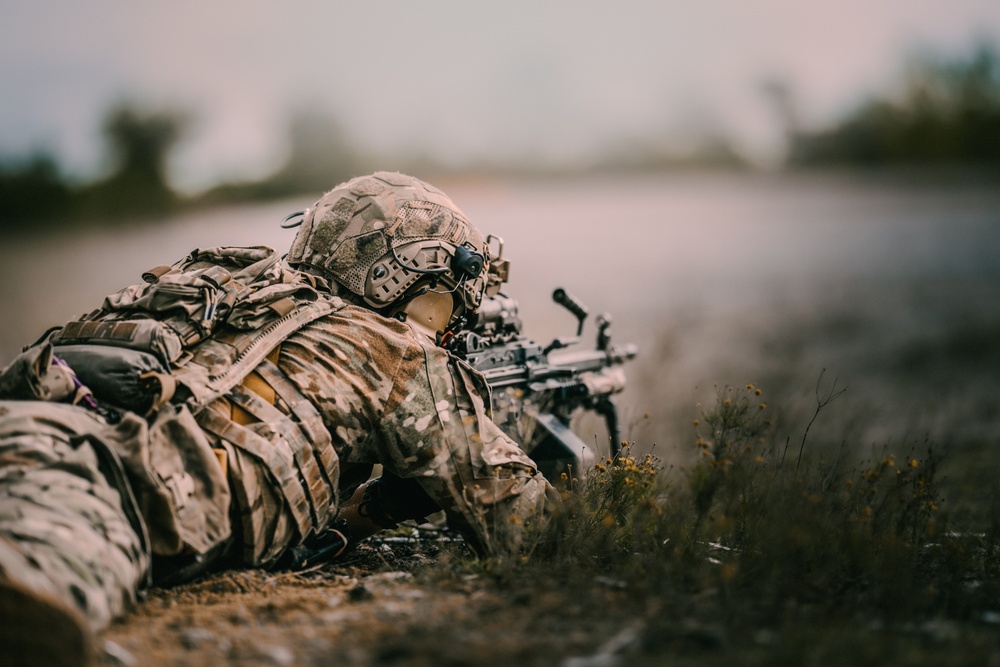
(197, 327)
(158, 355)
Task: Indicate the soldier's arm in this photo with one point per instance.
(437, 431)
(386, 398)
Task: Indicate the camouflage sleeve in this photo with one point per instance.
(345, 365)
(422, 414)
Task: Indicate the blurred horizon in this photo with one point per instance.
(243, 93)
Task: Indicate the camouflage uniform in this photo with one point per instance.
(65, 528)
(391, 397)
(246, 468)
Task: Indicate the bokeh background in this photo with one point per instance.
(795, 194)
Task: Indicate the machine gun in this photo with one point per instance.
(536, 390)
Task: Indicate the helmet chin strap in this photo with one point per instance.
(428, 313)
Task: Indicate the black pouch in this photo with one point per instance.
(115, 374)
(144, 335)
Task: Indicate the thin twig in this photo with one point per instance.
(820, 404)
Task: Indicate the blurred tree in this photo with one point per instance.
(32, 190)
(945, 112)
(140, 143)
(320, 155)
(780, 97)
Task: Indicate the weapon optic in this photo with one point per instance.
(537, 389)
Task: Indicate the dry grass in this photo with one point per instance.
(765, 551)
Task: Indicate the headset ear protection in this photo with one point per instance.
(466, 264)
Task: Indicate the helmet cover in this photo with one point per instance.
(377, 236)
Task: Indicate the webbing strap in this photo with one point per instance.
(157, 272)
(310, 420)
(276, 457)
(314, 482)
(168, 386)
(209, 378)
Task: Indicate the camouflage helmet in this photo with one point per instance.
(381, 235)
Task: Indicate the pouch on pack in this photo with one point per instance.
(180, 488)
(198, 327)
(147, 330)
(128, 379)
(177, 306)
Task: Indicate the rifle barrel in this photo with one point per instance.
(568, 365)
(591, 360)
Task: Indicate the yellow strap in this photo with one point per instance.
(223, 457)
(258, 385)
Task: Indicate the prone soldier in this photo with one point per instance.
(228, 411)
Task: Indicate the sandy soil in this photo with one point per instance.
(388, 604)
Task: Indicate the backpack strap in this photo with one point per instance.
(220, 363)
(167, 388)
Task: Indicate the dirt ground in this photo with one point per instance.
(425, 602)
(390, 603)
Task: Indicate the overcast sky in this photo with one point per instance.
(458, 80)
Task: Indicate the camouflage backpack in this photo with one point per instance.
(165, 352)
(218, 294)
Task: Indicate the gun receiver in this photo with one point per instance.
(536, 390)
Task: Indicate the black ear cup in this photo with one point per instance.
(466, 264)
